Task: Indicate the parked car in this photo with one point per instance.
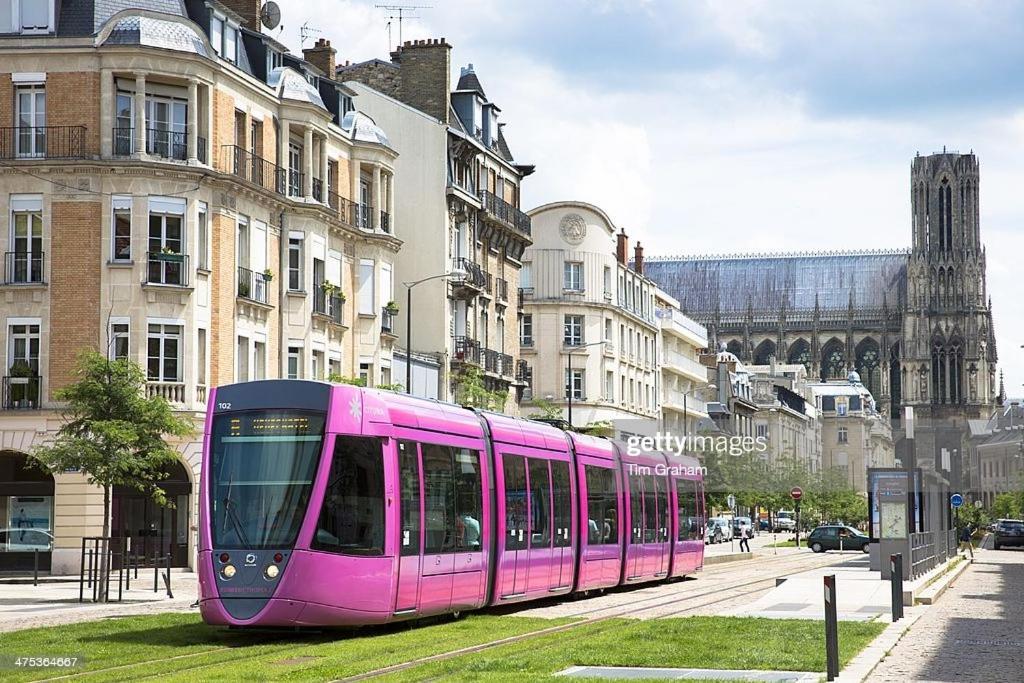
(719, 530)
(25, 540)
(1009, 532)
(836, 537)
(785, 520)
(764, 524)
(737, 526)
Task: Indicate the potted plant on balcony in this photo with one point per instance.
(268, 275)
(168, 255)
(391, 307)
(21, 375)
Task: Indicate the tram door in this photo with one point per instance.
(561, 496)
(635, 549)
(663, 546)
(540, 526)
(515, 554)
(410, 530)
(438, 529)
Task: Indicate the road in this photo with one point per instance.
(974, 633)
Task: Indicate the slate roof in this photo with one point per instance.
(769, 282)
(78, 18)
(290, 85)
(469, 81)
(156, 33)
(362, 128)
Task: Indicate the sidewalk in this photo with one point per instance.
(50, 604)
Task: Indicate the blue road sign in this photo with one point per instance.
(956, 500)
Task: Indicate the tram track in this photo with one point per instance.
(781, 566)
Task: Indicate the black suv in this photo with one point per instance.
(1009, 532)
(836, 537)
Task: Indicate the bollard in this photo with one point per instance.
(35, 566)
(156, 573)
(81, 575)
(168, 576)
(896, 581)
(831, 629)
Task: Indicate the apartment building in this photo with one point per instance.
(588, 329)
(786, 414)
(855, 435)
(179, 190)
(684, 379)
(995, 453)
(461, 187)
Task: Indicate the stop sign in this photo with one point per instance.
(797, 493)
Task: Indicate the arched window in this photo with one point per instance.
(800, 352)
(940, 376)
(833, 360)
(735, 347)
(764, 353)
(868, 366)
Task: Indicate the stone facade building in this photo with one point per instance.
(916, 324)
(177, 190)
(786, 414)
(462, 190)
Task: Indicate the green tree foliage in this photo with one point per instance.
(341, 379)
(112, 433)
(470, 390)
(1006, 505)
(545, 409)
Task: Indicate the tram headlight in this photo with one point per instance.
(272, 571)
(228, 571)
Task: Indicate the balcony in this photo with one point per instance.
(466, 350)
(524, 373)
(21, 393)
(362, 216)
(254, 169)
(253, 286)
(318, 190)
(501, 211)
(387, 321)
(172, 392)
(296, 183)
(167, 269)
(164, 144)
(328, 306)
(43, 142)
(23, 268)
(686, 366)
(341, 206)
(385, 222)
(497, 363)
(475, 280)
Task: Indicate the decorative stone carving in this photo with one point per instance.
(573, 228)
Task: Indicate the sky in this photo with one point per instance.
(726, 126)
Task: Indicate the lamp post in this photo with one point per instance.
(569, 372)
(456, 274)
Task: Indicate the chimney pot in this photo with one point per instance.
(622, 246)
(638, 259)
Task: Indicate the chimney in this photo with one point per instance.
(322, 56)
(425, 75)
(638, 259)
(249, 10)
(622, 247)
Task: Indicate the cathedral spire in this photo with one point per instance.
(1001, 398)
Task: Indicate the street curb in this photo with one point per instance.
(932, 593)
(861, 666)
(732, 557)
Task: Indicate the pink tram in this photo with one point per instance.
(326, 505)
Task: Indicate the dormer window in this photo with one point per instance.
(345, 104)
(224, 37)
(26, 16)
(275, 60)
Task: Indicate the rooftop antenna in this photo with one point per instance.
(305, 31)
(404, 12)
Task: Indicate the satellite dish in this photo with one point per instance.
(270, 15)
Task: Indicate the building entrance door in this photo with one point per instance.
(149, 529)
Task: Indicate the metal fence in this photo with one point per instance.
(120, 562)
(928, 549)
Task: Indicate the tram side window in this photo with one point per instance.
(352, 516)
(514, 471)
(468, 499)
(602, 499)
(409, 474)
(689, 519)
(664, 514)
(438, 499)
(540, 504)
(636, 509)
(562, 498)
(650, 510)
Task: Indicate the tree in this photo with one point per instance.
(113, 433)
(471, 390)
(1006, 505)
(547, 410)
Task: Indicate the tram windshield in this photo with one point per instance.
(262, 467)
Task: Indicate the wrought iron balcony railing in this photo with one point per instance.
(23, 268)
(167, 269)
(167, 144)
(475, 275)
(21, 393)
(466, 350)
(385, 221)
(257, 170)
(43, 142)
(296, 183)
(499, 209)
(362, 216)
(253, 285)
(318, 190)
(387, 321)
(330, 306)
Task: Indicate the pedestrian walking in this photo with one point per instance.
(745, 539)
(965, 538)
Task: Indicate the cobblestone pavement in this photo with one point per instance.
(975, 632)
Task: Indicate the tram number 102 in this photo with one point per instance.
(223, 405)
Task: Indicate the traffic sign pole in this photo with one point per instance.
(797, 494)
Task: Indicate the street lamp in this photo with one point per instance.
(456, 274)
(569, 372)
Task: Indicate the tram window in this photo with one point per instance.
(689, 520)
(540, 504)
(664, 514)
(650, 510)
(636, 508)
(439, 499)
(468, 495)
(409, 474)
(602, 499)
(562, 497)
(352, 515)
(513, 468)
